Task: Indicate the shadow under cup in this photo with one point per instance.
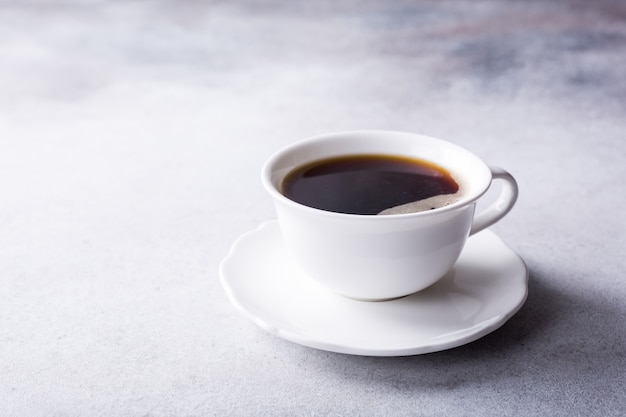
(379, 257)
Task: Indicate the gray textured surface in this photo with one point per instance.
(131, 139)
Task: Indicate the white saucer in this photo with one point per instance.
(485, 288)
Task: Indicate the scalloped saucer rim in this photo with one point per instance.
(485, 288)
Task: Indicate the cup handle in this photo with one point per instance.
(499, 208)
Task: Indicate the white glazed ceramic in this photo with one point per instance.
(383, 257)
(487, 285)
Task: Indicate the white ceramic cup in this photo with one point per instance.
(372, 257)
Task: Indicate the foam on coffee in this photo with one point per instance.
(431, 203)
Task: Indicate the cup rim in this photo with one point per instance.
(268, 171)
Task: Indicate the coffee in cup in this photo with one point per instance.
(370, 184)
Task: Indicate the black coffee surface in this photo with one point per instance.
(366, 184)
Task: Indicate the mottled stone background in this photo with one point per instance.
(131, 138)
